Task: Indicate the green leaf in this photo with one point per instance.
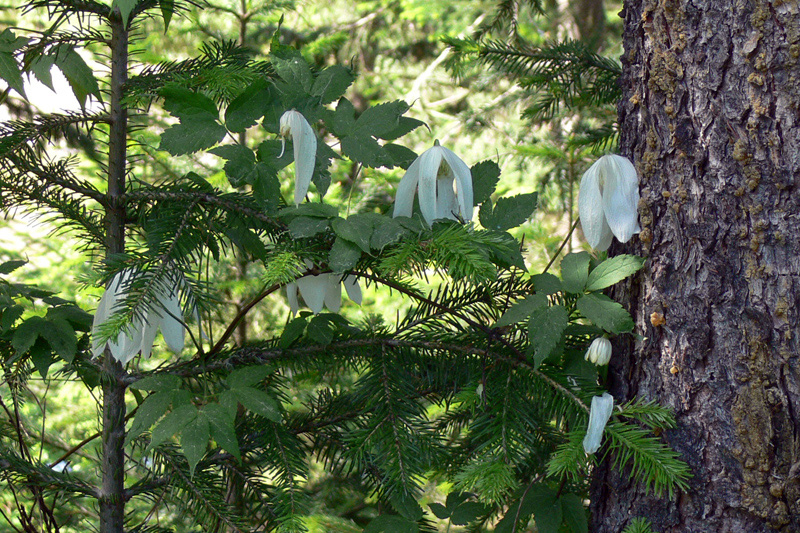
(194, 440)
(11, 73)
(245, 110)
(221, 424)
(365, 150)
(240, 162)
(310, 209)
(574, 513)
(331, 83)
(356, 229)
(10, 266)
(125, 8)
(194, 133)
(10, 316)
(149, 411)
(407, 506)
(605, 313)
(440, 511)
(259, 402)
(41, 66)
(508, 212)
(320, 330)
(293, 331)
(546, 283)
(575, 271)
(391, 524)
(545, 328)
(158, 382)
(302, 227)
(521, 310)
(167, 10)
(612, 270)
(344, 118)
(249, 376)
(485, 176)
(173, 423)
(61, 338)
(290, 65)
(404, 126)
(41, 356)
(401, 156)
(344, 255)
(79, 319)
(387, 231)
(380, 120)
(266, 187)
(80, 77)
(27, 333)
(468, 512)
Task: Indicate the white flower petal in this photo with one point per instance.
(446, 203)
(620, 196)
(313, 290)
(406, 189)
(105, 308)
(291, 296)
(171, 326)
(149, 331)
(333, 294)
(590, 208)
(353, 288)
(599, 414)
(304, 143)
(430, 160)
(463, 176)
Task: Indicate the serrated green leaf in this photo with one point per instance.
(387, 231)
(158, 382)
(10, 266)
(26, 334)
(605, 313)
(545, 329)
(391, 524)
(10, 316)
(259, 402)
(292, 68)
(194, 440)
(320, 330)
(125, 8)
(222, 428)
(407, 506)
(356, 229)
(79, 319)
(314, 210)
(508, 212)
(149, 411)
(546, 283)
(439, 511)
(613, 270)
(331, 83)
(194, 133)
(80, 77)
(380, 120)
(303, 227)
(485, 176)
(239, 162)
(42, 356)
(365, 150)
(61, 338)
(173, 423)
(521, 310)
(574, 513)
(401, 156)
(545, 507)
(245, 110)
(575, 272)
(11, 73)
(344, 255)
(41, 67)
(293, 331)
(249, 376)
(344, 118)
(404, 126)
(167, 10)
(468, 512)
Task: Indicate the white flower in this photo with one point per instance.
(305, 150)
(608, 201)
(598, 417)
(322, 290)
(599, 352)
(434, 174)
(140, 334)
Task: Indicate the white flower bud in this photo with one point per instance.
(599, 352)
(602, 407)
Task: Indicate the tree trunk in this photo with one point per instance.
(710, 118)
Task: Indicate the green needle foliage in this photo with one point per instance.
(479, 383)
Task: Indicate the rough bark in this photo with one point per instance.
(710, 118)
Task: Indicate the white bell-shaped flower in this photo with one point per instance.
(599, 352)
(140, 334)
(608, 201)
(304, 142)
(322, 290)
(443, 183)
(599, 414)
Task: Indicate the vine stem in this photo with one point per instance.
(563, 244)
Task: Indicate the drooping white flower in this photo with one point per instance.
(322, 290)
(294, 124)
(608, 201)
(599, 352)
(599, 414)
(443, 183)
(140, 334)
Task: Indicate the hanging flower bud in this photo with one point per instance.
(294, 124)
(322, 290)
(444, 185)
(598, 418)
(608, 201)
(599, 352)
